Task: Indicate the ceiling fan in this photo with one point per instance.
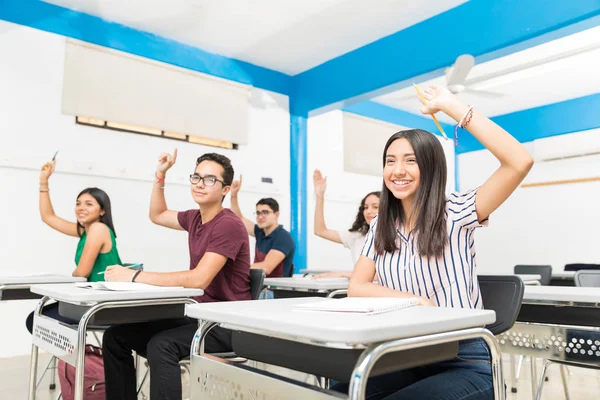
(456, 76)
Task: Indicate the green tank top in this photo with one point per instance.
(102, 261)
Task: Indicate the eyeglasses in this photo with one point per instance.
(263, 213)
(208, 180)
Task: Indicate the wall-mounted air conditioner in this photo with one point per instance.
(572, 145)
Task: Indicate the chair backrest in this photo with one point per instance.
(587, 278)
(257, 280)
(503, 294)
(545, 271)
(578, 267)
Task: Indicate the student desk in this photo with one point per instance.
(304, 287)
(373, 337)
(321, 271)
(557, 323)
(17, 287)
(99, 307)
(562, 278)
(531, 279)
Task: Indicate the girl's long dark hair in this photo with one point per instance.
(360, 224)
(104, 202)
(428, 205)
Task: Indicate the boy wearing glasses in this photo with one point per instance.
(274, 245)
(219, 263)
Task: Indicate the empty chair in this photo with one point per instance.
(579, 267)
(587, 278)
(545, 271)
(503, 294)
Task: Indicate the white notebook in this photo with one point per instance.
(123, 286)
(360, 305)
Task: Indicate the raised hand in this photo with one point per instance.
(319, 182)
(47, 170)
(166, 161)
(235, 187)
(438, 98)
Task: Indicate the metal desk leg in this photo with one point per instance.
(538, 394)
(360, 374)
(563, 375)
(33, 362)
(513, 375)
(534, 383)
(198, 341)
(82, 328)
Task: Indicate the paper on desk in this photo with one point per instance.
(124, 286)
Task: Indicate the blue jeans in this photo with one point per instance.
(466, 377)
(266, 295)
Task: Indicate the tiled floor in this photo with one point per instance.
(583, 384)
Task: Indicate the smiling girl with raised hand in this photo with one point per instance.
(97, 247)
(422, 245)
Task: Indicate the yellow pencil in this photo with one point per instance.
(424, 102)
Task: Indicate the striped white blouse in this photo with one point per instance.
(449, 280)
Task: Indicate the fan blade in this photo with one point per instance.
(460, 70)
(484, 93)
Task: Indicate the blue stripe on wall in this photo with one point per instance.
(51, 18)
(536, 123)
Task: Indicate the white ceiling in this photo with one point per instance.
(290, 36)
(550, 82)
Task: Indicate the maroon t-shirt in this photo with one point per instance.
(225, 234)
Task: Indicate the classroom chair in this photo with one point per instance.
(545, 271)
(587, 278)
(579, 267)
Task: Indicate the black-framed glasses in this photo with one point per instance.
(208, 180)
(263, 213)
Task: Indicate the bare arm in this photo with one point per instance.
(361, 284)
(321, 229)
(515, 161)
(235, 206)
(271, 261)
(46, 209)
(159, 213)
(199, 278)
(98, 236)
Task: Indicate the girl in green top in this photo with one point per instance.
(97, 248)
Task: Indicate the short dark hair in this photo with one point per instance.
(272, 203)
(223, 162)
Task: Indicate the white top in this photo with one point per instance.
(278, 318)
(562, 294)
(72, 294)
(307, 283)
(38, 279)
(353, 241)
(449, 280)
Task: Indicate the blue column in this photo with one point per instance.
(298, 175)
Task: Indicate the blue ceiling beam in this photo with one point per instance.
(63, 21)
(486, 29)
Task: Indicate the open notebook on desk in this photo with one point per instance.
(360, 305)
(124, 286)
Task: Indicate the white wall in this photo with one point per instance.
(31, 74)
(344, 190)
(553, 225)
